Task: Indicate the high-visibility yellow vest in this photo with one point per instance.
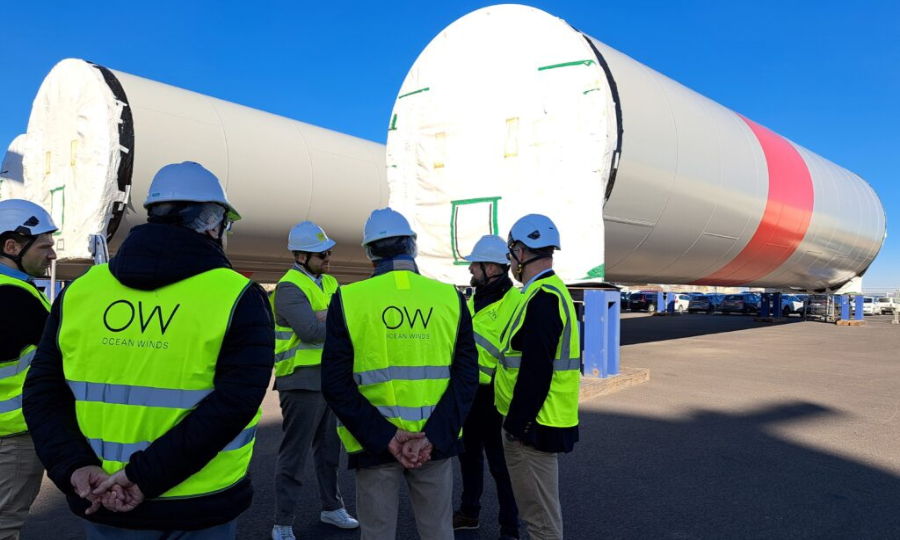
(138, 362)
(14, 370)
(488, 325)
(560, 408)
(290, 351)
(403, 328)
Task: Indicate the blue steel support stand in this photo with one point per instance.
(858, 309)
(670, 302)
(845, 307)
(764, 305)
(601, 333)
(660, 301)
(777, 307)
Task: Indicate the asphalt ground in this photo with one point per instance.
(745, 430)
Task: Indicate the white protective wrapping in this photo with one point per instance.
(73, 154)
(12, 180)
(465, 160)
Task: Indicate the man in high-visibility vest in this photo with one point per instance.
(26, 250)
(400, 371)
(300, 303)
(537, 380)
(144, 395)
(492, 307)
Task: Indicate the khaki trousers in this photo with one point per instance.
(20, 481)
(535, 482)
(430, 492)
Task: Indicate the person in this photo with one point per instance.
(399, 370)
(300, 303)
(492, 307)
(26, 250)
(144, 395)
(538, 376)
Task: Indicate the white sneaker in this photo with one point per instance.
(339, 518)
(283, 532)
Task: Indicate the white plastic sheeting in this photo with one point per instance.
(529, 127)
(277, 171)
(12, 179)
(510, 110)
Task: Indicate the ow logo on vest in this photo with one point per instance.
(123, 315)
(401, 318)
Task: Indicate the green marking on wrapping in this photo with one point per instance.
(567, 64)
(393, 124)
(591, 90)
(419, 91)
(62, 210)
(597, 272)
(454, 205)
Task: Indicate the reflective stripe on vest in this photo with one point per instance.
(488, 324)
(403, 328)
(13, 371)
(290, 351)
(560, 408)
(138, 362)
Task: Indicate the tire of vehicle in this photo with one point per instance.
(786, 312)
(651, 308)
(680, 310)
(710, 310)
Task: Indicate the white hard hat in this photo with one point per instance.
(491, 249)
(25, 217)
(385, 223)
(309, 237)
(188, 182)
(535, 231)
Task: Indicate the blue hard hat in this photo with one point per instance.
(535, 231)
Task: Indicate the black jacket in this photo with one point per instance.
(537, 339)
(22, 319)
(364, 421)
(151, 257)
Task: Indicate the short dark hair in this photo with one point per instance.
(388, 248)
(12, 235)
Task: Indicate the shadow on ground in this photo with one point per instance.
(704, 476)
(642, 328)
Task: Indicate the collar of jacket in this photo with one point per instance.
(14, 273)
(155, 255)
(492, 292)
(401, 262)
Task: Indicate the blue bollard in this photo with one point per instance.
(764, 305)
(858, 310)
(660, 301)
(670, 302)
(845, 307)
(602, 312)
(777, 307)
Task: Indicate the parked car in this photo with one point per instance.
(744, 303)
(884, 304)
(868, 305)
(681, 301)
(791, 304)
(642, 301)
(708, 303)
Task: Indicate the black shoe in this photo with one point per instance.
(464, 522)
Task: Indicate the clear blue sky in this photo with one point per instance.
(825, 74)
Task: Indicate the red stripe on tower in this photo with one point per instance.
(785, 220)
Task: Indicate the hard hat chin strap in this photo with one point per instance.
(520, 265)
(18, 258)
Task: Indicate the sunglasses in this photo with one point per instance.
(323, 255)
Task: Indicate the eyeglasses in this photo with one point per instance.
(226, 226)
(323, 254)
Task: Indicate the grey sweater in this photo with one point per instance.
(292, 308)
